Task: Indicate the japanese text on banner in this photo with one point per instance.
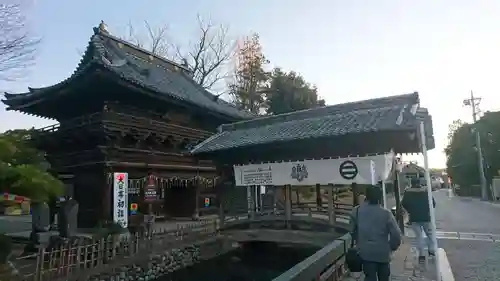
(120, 198)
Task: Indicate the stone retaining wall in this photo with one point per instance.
(158, 265)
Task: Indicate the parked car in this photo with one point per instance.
(436, 183)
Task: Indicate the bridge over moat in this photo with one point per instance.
(311, 149)
(302, 227)
(305, 226)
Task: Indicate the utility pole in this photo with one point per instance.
(474, 102)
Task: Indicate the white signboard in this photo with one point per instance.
(362, 170)
(255, 174)
(120, 198)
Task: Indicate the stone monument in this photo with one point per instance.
(40, 223)
(40, 218)
(67, 218)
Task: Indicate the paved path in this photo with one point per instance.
(469, 232)
(404, 267)
(465, 214)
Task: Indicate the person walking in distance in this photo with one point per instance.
(376, 234)
(416, 204)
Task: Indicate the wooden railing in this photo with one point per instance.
(138, 155)
(340, 209)
(129, 121)
(125, 155)
(341, 214)
(74, 123)
(162, 128)
(75, 261)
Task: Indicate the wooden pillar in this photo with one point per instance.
(224, 184)
(355, 194)
(275, 199)
(397, 197)
(256, 198)
(220, 197)
(196, 214)
(331, 211)
(259, 194)
(288, 205)
(319, 201)
(222, 215)
(250, 203)
(107, 204)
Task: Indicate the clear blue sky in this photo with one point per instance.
(351, 50)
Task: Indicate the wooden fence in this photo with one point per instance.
(82, 257)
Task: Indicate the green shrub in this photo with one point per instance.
(114, 228)
(105, 229)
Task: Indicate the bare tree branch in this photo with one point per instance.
(17, 47)
(156, 41)
(207, 56)
(133, 37)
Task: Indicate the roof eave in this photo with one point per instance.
(415, 113)
(200, 150)
(18, 101)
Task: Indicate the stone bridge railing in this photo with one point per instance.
(325, 264)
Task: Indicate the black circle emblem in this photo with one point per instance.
(348, 170)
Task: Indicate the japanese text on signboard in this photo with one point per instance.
(258, 176)
(120, 199)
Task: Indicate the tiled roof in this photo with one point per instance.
(162, 77)
(382, 114)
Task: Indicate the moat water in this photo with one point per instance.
(253, 262)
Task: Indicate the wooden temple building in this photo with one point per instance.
(349, 130)
(125, 109)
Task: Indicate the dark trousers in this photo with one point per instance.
(376, 271)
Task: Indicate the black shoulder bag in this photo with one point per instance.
(353, 259)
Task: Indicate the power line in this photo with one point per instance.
(474, 103)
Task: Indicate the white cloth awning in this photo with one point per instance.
(361, 170)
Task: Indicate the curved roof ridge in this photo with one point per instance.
(352, 113)
(324, 110)
(204, 91)
(98, 31)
